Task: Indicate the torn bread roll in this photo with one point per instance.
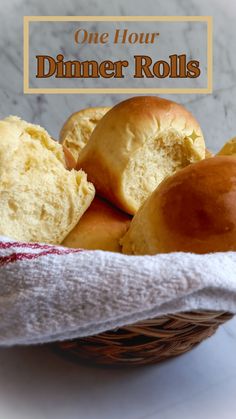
(40, 200)
(136, 145)
(192, 211)
(100, 228)
(78, 128)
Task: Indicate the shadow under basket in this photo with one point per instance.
(146, 342)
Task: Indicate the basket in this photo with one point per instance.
(146, 342)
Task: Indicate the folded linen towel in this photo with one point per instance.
(50, 293)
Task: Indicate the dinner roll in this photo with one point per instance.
(192, 211)
(101, 227)
(136, 145)
(78, 128)
(40, 200)
(229, 149)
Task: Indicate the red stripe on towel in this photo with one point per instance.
(8, 245)
(15, 257)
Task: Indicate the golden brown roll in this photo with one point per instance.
(229, 149)
(40, 200)
(136, 145)
(78, 128)
(192, 211)
(100, 228)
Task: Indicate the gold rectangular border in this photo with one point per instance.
(206, 90)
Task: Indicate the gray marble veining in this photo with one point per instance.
(215, 112)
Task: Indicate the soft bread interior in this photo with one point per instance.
(40, 200)
(159, 157)
(78, 129)
(79, 135)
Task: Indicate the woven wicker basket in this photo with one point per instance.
(146, 342)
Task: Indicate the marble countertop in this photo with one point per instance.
(36, 383)
(215, 112)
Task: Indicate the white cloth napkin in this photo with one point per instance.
(50, 293)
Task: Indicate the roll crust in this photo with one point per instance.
(192, 211)
(100, 228)
(136, 145)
